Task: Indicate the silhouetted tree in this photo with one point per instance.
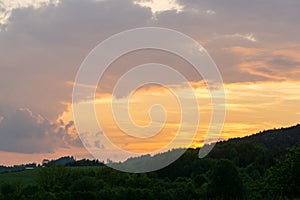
(225, 181)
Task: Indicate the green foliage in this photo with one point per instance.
(25, 176)
(225, 181)
(284, 178)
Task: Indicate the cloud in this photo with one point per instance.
(284, 62)
(251, 107)
(44, 43)
(160, 5)
(42, 49)
(270, 19)
(8, 6)
(264, 26)
(270, 64)
(25, 132)
(250, 36)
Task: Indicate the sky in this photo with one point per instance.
(255, 45)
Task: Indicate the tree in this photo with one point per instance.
(225, 181)
(283, 180)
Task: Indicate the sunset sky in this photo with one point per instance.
(255, 44)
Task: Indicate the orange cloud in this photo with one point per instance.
(251, 107)
(271, 62)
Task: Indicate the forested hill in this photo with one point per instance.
(275, 138)
(276, 141)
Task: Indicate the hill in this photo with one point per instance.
(275, 138)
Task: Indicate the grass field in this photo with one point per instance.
(24, 177)
(30, 176)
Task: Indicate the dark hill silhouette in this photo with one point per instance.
(273, 139)
(241, 150)
(61, 161)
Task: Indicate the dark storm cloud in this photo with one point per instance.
(43, 48)
(25, 132)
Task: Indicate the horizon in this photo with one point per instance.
(105, 162)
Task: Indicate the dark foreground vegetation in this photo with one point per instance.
(262, 166)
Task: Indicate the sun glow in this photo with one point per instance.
(245, 102)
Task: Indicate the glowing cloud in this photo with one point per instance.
(7, 7)
(160, 5)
